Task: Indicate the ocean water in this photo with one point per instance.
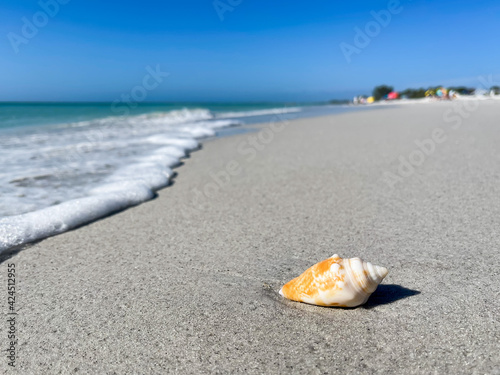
(64, 165)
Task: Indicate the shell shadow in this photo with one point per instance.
(388, 293)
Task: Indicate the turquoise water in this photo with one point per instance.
(39, 114)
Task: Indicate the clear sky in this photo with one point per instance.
(95, 50)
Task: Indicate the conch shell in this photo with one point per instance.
(336, 282)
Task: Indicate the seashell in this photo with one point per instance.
(336, 282)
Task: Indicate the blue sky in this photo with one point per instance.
(97, 50)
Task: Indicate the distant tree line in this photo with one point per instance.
(381, 91)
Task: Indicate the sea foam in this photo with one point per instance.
(62, 176)
(72, 174)
(20, 229)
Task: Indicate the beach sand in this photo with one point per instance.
(188, 282)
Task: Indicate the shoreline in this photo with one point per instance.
(191, 286)
(131, 184)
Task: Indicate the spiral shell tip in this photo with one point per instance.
(382, 271)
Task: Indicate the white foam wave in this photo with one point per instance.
(18, 230)
(127, 186)
(64, 176)
(79, 173)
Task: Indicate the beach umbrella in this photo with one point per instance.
(370, 100)
(392, 95)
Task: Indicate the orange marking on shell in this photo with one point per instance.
(316, 279)
(335, 282)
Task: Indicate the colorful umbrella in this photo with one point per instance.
(392, 95)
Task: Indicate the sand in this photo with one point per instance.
(188, 282)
